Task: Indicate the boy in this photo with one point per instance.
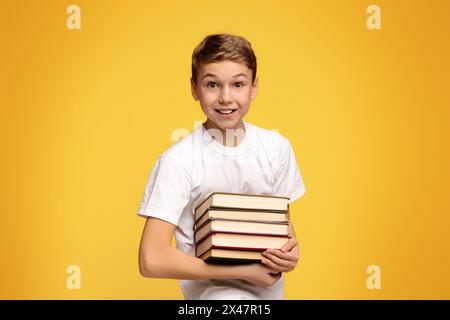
(224, 154)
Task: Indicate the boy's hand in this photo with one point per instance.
(283, 260)
(259, 275)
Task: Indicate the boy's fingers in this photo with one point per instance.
(280, 262)
(292, 242)
(290, 256)
(272, 265)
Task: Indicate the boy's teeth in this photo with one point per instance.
(225, 111)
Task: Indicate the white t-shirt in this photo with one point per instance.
(197, 165)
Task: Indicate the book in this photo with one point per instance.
(225, 256)
(239, 241)
(248, 215)
(241, 201)
(279, 228)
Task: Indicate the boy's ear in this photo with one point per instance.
(254, 89)
(194, 90)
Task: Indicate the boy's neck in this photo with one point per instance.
(230, 137)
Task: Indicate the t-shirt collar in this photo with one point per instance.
(207, 139)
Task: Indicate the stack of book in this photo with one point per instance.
(237, 228)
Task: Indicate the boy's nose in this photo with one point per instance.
(225, 97)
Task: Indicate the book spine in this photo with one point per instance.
(286, 222)
(238, 248)
(230, 261)
(204, 201)
(239, 209)
(212, 233)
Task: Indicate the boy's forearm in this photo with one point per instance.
(172, 263)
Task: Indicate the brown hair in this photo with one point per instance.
(222, 47)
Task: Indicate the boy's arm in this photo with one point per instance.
(158, 259)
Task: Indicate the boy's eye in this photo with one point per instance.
(239, 84)
(211, 84)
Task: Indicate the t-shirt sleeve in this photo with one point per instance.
(288, 179)
(167, 191)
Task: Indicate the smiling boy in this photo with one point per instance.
(224, 154)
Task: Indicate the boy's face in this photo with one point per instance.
(225, 90)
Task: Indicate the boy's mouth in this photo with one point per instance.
(225, 111)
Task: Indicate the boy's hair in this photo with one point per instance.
(222, 47)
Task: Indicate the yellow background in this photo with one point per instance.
(85, 113)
